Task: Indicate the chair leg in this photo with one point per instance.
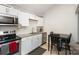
(58, 52)
(51, 49)
(65, 51)
(69, 51)
(48, 46)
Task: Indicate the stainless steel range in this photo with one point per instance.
(9, 42)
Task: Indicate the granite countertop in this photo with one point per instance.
(27, 35)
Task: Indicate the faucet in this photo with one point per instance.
(32, 29)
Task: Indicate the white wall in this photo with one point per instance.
(62, 19)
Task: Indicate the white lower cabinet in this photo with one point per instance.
(30, 43)
(34, 41)
(39, 39)
(25, 45)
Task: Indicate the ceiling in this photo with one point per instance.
(38, 9)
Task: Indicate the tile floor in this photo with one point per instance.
(45, 46)
(74, 48)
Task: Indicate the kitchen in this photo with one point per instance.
(24, 29)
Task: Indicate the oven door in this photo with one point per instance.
(9, 48)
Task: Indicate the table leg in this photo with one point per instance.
(65, 50)
(48, 43)
(48, 46)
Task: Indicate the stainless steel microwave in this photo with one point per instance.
(8, 19)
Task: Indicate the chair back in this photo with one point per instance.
(69, 39)
(51, 33)
(55, 38)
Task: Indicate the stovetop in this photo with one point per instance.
(9, 40)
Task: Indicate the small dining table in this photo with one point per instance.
(61, 37)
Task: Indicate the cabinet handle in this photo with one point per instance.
(7, 10)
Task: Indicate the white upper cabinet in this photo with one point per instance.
(13, 11)
(8, 10)
(2, 9)
(33, 17)
(23, 19)
(22, 16)
(40, 21)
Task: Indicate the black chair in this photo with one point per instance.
(49, 37)
(55, 42)
(66, 44)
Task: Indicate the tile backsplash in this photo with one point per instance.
(24, 30)
(7, 28)
(29, 29)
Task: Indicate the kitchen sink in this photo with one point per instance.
(26, 35)
(34, 33)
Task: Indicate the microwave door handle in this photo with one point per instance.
(14, 20)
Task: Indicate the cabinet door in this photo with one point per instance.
(13, 11)
(34, 42)
(23, 19)
(40, 22)
(25, 45)
(2, 9)
(39, 37)
(33, 17)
